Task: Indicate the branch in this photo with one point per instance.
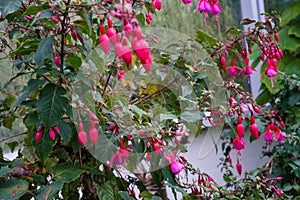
(14, 136)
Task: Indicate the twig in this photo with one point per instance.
(17, 135)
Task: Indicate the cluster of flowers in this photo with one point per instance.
(138, 44)
(52, 131)
(208, 7)
(153, 145)
(93, 132)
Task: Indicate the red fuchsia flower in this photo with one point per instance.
(280, 136)
(240, 127)
(39, 134)
(248, 70)
(121, 154)
(148, 18)
(238, 144)
(177, 166)
(156, 147)
(127, 28)
(158, 4)
(212, 7)
(93, 133)
(268, 134)
(238, 167)
(82, 137)
(141, 49)
(51, 134)
(254, 128)
(232, 69)
(187, 1)
(204, 6)
(121, 74)
(104, 40)
(111, 32)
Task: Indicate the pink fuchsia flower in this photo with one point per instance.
(176, 166)
(187, 1)
(280, 136)
(238, 144)
(268, 135)
(215, 8)
(121, 154)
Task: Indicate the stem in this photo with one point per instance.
(63, 37)
(14, 136)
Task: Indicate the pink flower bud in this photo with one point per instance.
(56, 129)
(51, 134)
(28, 17)
(38, 14)
(239, 167)
(54, 19)
(93, 133)
(240, 130)
(38, 135)
(158, 4)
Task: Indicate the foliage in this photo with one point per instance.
(86, 120)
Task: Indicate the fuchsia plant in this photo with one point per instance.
(55, 49)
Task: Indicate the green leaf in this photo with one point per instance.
(8, 122)
(136, 109)
(52, 104)
(290, 13)
(65, 131)
(294, 30)
(32, 85)
(96, 62)
(44, 50)
(141, 19)
(44, 147)
(33, 10)
(4, 171)
(247, 21)
(263, 97)
(12, 146)
(13, 189)
(73, 60)
(288, 42)
(166, 116)
(191, 116)
(124, 195)
(205, 38)
(234, 31)
(49, 191)
(9, 6)
(67, 173)
(105, 191)
(44, 15)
